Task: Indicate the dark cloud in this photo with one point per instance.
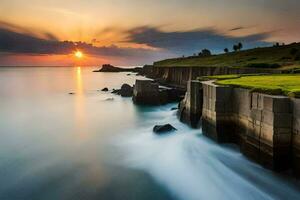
(188, 42)
(237, 28)
(24, 43)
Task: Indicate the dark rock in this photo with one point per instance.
(105, 89)
(111, 68)
(125, 91)
(146, 93)
(174, 108)
(71, 93)
(175, 94)
(160, 129)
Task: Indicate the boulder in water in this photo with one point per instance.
(105, 89)
(125, 91)
(161, 129)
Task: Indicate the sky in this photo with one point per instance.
(137, 32)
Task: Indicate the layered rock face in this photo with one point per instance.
(190, 108)
(265, 126)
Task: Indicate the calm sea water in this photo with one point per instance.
(96, 145)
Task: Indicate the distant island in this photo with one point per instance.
(111, 68)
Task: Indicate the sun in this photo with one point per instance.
(78, 54)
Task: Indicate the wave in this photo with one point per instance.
(193, 167)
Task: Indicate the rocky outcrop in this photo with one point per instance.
(147, 92)
(110, 68)
(104, 89)
(190, 108)
(162, 129)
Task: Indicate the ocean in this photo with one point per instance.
(96, 145)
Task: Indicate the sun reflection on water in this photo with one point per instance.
(78, 81)
(80, 112)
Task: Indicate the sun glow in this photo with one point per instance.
(78, 54)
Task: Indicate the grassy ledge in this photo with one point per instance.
(281, 84)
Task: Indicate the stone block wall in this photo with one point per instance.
(269, 131)
(266, 127)
(217, 112)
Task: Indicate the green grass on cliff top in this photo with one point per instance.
(258, 57)
(288, 85)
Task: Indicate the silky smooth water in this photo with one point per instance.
(96, 145)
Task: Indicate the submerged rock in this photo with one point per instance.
(109, 99)
(160, 129)
(114, 91)
(71, 93)
(105, 89)
(174, 108)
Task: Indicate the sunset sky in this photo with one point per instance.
(136, 32)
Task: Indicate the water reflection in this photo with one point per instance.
(80, 112)
(57, 146)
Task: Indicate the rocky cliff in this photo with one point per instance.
(266, 127)
(178, 76)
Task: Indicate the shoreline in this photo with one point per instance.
(269, 147)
